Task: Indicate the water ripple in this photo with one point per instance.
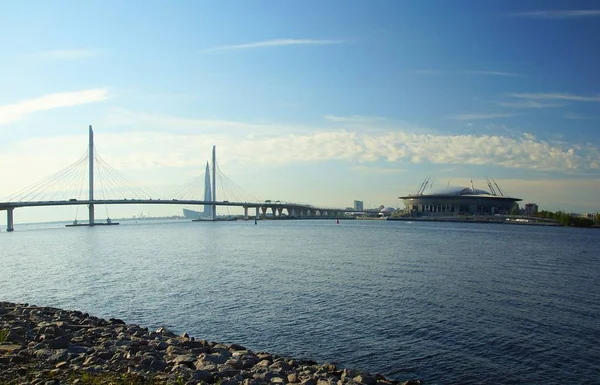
(448, 303)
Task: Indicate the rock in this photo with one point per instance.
(185, 359)
(60, 342)
(292, 377)
(264, 363)
(235, 347)
(235, 363)
(280, 366)
(46, 342)
(10, 348)
(61, 364)
(349, 373)
(11, 336)
(203, 375)
(365, 378)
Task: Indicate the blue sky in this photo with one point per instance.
(312, 101)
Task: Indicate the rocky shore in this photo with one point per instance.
(42, 345)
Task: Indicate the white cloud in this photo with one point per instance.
(559, 14)
(556, 96)
(528, 103)
(67, 54)
(17, 111)
(152, 149)
(492, 73)
(480, 116)
(273, 43)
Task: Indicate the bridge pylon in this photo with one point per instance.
(91, 176)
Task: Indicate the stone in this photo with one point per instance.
(366, 379)
(235, 347)
(203, 375)
(349, 373)
(185, 359)
(11, 336)
(60, 342)
(264, 363)
(292, 377)
(280, 366)
(10, 348)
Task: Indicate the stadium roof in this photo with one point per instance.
(456, 191)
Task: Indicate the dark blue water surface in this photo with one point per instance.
(447, 303)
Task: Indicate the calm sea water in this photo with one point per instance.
(447, 303)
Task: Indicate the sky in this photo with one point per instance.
(321, 102)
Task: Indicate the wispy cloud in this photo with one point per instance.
(67, 54)
(558, 14)
(393, 146)
(392, 142)
(273, 43)
(492, 73)
(466, 72)
(480, 116)
(528, 103)
(17, 111)
(556, 96)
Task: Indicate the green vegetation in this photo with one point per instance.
(3, 335)
(567, 219)
(515, 210)
(113, 379)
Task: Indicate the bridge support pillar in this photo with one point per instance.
(264, 211)
(91, 214)
(279, 211)
(10, 226)
(246, 213)
(257, 213)
(274, 210)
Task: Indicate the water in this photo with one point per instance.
(447, 303)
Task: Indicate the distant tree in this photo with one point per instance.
(582, 222)
(515, 210)
(597, 219)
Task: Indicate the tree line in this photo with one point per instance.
(567, 219)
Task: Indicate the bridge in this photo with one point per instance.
(58, 184)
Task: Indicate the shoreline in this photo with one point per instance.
(41, 344)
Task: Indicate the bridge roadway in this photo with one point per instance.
(295, 210)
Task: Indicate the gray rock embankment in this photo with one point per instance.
(42, 345)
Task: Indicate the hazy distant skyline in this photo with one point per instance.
(317, 102)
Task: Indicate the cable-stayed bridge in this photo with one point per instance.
(91, 181)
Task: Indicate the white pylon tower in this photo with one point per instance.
(91, 176)
(214, 182)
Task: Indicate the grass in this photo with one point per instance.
(3, 335)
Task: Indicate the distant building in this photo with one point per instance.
(531, 209)
(358, 205)
(460, 200)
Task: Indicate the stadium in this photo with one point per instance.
(456, 200)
